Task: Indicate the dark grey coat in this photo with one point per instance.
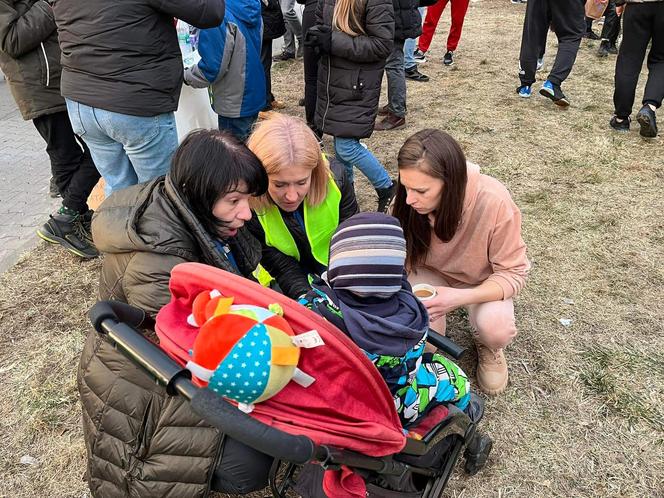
(30, 56)
(123, 55)
(349, 78)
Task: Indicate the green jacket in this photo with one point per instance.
(30, 56)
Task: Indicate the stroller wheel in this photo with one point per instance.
(477, 453)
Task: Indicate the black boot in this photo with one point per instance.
(66, 227)
(385, 196)
(603, 50)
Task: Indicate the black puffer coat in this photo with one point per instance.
(123, 55)
(273, 20)
(30, 56)
(291, 274)
(349, 78)
(140, 441)
(407, 19)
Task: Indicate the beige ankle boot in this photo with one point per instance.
(491, 370)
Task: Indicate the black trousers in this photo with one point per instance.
(642, 23)
(611, 28)
(72, 167)
(310, 65)
(266, 60)
(567, 18)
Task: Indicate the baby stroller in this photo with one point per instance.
(343, 424)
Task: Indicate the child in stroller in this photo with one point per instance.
(366, 295)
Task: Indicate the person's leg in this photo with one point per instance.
(293, 26)
(240, 469)
(352, 153)
(493, 328)
(654, 91)
(148, 141)
(408, 51)
(266, 60)
(535, 26)
(108, 154)
(459, 9)
(568, 21)
(430, 23)
(74, 172)
(611, 23)
(310, 68)
(636, 36)
(396, 80)
(240, 127)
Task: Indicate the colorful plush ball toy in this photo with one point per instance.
(242, 352)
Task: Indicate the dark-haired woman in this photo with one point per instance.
(463, 235)
(194, 213)
(141, 441)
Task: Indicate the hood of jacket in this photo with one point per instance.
(246, 11)
(153, 217)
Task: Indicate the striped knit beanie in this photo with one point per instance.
(367, 255)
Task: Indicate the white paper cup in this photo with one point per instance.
(424, 292)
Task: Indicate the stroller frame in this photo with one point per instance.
(117, 322)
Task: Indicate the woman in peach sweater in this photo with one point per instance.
(463, 234)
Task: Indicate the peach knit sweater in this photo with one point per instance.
(487, 244)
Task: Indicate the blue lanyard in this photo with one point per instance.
(298, 218)
(225, 249)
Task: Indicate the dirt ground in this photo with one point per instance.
(583, 413)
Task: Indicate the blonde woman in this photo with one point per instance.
(354, 38)
(307, 197)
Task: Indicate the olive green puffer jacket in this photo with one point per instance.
(30, 56)
(141, 442)
(147, 229)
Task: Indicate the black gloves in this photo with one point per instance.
(320, 38)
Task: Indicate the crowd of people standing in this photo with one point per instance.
(259, 197)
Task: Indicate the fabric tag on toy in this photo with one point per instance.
(243, 407)
(308, 340)
(302, 378)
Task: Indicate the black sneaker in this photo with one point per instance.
(613, 50)
(622, 126)
(68, 231)
(554, 93)
(53, 190)
(603, 50)
(283, 56)
(448, 58)
(385, 196)
(647, 120)
(86, 223)
(419, 57)
(413, 74)
(591, 35)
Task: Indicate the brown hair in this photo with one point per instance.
(282, 141)
(437, 154)
(348, 16)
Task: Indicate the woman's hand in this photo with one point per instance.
(447, 299)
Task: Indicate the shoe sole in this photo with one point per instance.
(391, 129)
(524, 96)
(559, 102)
(64, 243)
(647, 128)
(448, 64)
(419, 80)
(494, 392)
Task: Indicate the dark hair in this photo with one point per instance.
(438, 155)
(209, 164)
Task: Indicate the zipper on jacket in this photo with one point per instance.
(327, 91)
(48, 69)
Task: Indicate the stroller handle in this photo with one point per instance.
(107, 318)
(261, 437)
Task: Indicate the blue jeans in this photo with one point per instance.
(126, 149)
(409, 46)
(240, 127)
(352, 153)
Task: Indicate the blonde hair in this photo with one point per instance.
(348, 16)
(282, 141)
